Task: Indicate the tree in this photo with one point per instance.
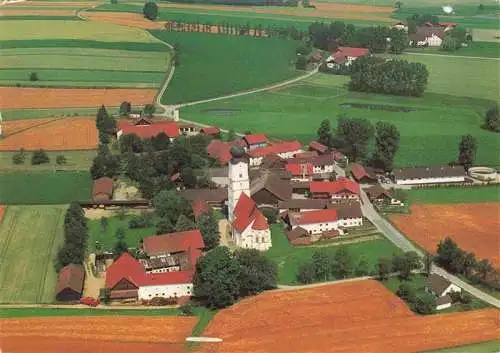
(467, 151)
(325, 133)
(357, 134)
(33, 77)
(492, 119)
(387, 139)
(484, 268)
(209, 228)
(306, 273)
(184, 224)
(406, 292)
(216, 278)
(125, 108)
(398, 4)
(469, 263)
(301, 63)
(449, 44)
(188, 177)
(120, 233)
(425, 304)
(428, 260)
(60, 159)
(149, 109)
(160, 142)
(342, 265)
(321, 265)
(363, 268)
(19, 157)
(231, 135)
(405, 264)
(131, 143)
(104, 224)
(150, 10)
(164, 226)
(257, 272)
(399, 40)
(384, 268)
(169, 204)
(120, 248)
(39, 157)
(449, 254)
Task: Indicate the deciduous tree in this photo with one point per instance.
(492, 119)
(169, 204)
(209, 228)
(257, 272)
(321, 263)
(184, 224)
(425, 304)
(342, 263)
(150, 10)
(384, 268)
(164, 226)
(387, 139)
(357, 134)
(325, 133)
(467, 151)
(399, 40)
(306, 273)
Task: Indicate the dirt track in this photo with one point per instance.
(352, 317)
(96, 334)
(18, 97)
(474, 226)
(57, 135)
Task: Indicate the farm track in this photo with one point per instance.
(33, 126)
(9, 237)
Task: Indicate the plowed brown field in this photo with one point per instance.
(96, 334)
(2, 212)
(350, 317)
(21, 97)
(123, 18)
(474, 226)
(50, 134)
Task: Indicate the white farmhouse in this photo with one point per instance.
(441, 288)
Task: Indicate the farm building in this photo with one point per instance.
(427, 37)
(302, 205)
(341, 189)
(273, 161)
(349, 214)
(253, 141)
(147, 128)
(314, 222)
(345, 56)
(213, 197)
(317, 147)
(299, 236)
(429, 175)
(173, 243)
(306, 154)
(300, 171)
(268, 189)
(200, 207)
(70, 283)
(102, 189)
(362, 174)
(188, 129)
(219, 151)
(400, 25)
(286, 150)
(323, 165)
(377, 194)
(443, 302)
(441, 288)
(210, 131)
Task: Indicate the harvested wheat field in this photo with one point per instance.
(23, 97)
(474, 226)
(35, 12)
(50, 134)
(123, 18)
(96, 334)
(360, 316)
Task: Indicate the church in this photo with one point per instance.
(250, 228)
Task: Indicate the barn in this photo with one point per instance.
(70, 283)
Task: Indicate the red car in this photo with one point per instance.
(90, 301)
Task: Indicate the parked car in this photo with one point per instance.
(90, 301)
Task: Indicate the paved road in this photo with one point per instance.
(400, 241)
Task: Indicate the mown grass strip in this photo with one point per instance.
(83, 43)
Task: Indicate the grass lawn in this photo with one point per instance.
(229, 64)
(8, 17)
(30, 237)
(454, 195)
(36, 188)
(430, 133)
(483, 347)
(482, 49)
(289, 258)
(75, 160)
(106, 32)
(107, 238)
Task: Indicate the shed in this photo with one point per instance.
(363, 174)
(210, 131)
(70, 283)
(102, 189)
(440, 286)
(298, 236)
(443, 302)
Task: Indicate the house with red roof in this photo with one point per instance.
(345, 56)
(253, 141)
(318, 147)
(362, 174)
(220, 151)
(323, 165)
(173, 243)
(200, 207)
(102, 189)
(210, 131)
(315, 222)
(341, 189)
(285, 150)
(147, 128)
(300, 171)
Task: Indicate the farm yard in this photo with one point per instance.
(58, 134)
(230, 64)
(110, 334)
(29, 240)
(434, 122)
(38, 188)
(352, 317)
(473, 226)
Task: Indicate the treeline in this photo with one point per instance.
(330, 36)
(75, 237)
(457, 261)
(292, 3)
(388, 76)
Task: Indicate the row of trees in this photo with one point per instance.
(37, 157)
(105, 124)
(388, 76)
(75, 237)
(221, 278)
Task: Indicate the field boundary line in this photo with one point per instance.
(452, 56)
(34, 126)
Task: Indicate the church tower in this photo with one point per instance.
(239, 181)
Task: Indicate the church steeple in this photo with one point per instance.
(239, 181)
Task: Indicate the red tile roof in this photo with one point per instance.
(71, 276)
(344, 52)
(173, 242)
(359, 172)
(103, 185)
(245, 212)
(281, 147)
(447, 24)
(211, 130)
(312, 217)
(316, 146)
(254, 139)
(124, 267)
(170, 128)
(338, 156)
(299, 169)
(334, 187)
(220, 151)
(307, 154)
(199, 207)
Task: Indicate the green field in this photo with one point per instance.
(213, 65)
(29, 240)
(75, 160)
(429, 134)
(482, 49)
(37, 188)
(37, 18)
(455, 195)
(107, 238)
(20, 114)
(85, 44)
(289, 258)
(483, 347)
